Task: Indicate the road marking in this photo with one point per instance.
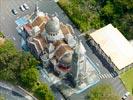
(82, 34)
(97, 64)
(56, 14)
(100, 76)
(14, 38)
(115, 74)
(112, 74)
(109, 75)
(103, 75)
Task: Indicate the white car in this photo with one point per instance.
(26, 6)
(22, 8)
(125, 95)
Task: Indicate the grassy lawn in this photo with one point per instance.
(127, 78)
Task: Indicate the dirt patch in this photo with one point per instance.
(2, 40)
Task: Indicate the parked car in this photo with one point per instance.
(22, 8)
(125, 95)
(26, 6)
(14, 11)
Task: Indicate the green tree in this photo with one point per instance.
(7, 75)
(43, 93)
(13, 62)
(1, 34)
(102, 92)
(93, 14)
(125, 3)
(7, 52)
(29, 77)
(27, 61)
(7, 58)
(20, 68)
(108, 9)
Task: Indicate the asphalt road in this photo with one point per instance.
(8, 26)
(7, 18)
(11, 92)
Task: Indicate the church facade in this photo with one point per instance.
(60, 51)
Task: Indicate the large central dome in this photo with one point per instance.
(53, 25)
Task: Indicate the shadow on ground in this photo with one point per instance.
(102, 59)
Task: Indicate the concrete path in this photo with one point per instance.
(11, 92)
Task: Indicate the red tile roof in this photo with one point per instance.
(58, 43)
(28, 27)
(64, 28)
(42, 41)
(61, 51)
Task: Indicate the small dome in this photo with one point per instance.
(52, 25)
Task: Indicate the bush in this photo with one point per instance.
(29, 77)
(102, 92)
(43, 93)
(1, 34)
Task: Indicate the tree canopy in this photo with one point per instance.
(102, 92)
(12, 62)
(94, 14)
(43, 93)
(29, 77)
(19, 68)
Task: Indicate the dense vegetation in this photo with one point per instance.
(102, 92)
(20, 68)
(43, 93)
(93, 14)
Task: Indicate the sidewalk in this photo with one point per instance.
(17, 91)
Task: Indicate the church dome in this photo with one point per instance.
(52, 25)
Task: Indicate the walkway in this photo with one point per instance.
(11, 92)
